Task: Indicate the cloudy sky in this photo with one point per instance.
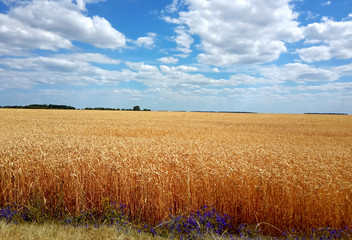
(274, 56)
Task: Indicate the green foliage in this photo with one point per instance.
(42, 106)
(136, 108)
(102, 108)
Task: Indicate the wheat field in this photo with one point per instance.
(290, 171)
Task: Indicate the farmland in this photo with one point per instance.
(289, 171)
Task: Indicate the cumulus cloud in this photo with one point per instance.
(14, 79)
(344, 70)
(73, 70)
(131, 94)
(81, 4)
(16, 36)
(180, 68)
(147, 42)
(166, 77)
(173, 7)
(169, 19)
(168, 60)
(88, 57)
(185, 77)
(298, 72)
(59, 70)
(140, 66)
(253, 31)
(58, 62)
(325, 87)
(311, 15)
(183, 40)
(42, 63)
(180, 84)
(39, 24)
(333, 39)
(247, 80)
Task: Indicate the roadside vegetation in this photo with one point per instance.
(115, 224)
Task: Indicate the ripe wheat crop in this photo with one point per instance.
(290, 171)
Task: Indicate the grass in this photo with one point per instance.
(51, 231)
(277, 172)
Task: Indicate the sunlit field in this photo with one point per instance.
(279, 171)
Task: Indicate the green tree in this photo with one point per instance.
(136, 108)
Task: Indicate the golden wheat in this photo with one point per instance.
(291, 171)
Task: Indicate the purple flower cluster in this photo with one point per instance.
(196, 225)
(8, 214)
(331, 233)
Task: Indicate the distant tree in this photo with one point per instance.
(136, 108)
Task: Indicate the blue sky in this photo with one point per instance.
(273, 56)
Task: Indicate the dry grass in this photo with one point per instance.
(290, 171)
(49, 231)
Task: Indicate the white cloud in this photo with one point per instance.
(76, 70)
(315, 53)
(173, 7)
(252, 31)
(298, 72)
(178, 84)
(81, 4)
(334, 38)
(141, 67)
(69, 71)
(186, 68)
(348, 18)
(168, 60)
(58, 62)
(168, 19)
(147, 42)
(88, 57)
(179, 77)
(13, 79)
(16, 36)
(131, 94)
(311, 15)
(180, 68)
(42, 63)
(183, 40)
(10, 2)
(182, 76)
(40, 24)
(247, 80)
(344, 70)
(326, 87)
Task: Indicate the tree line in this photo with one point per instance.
(135, 108)
(54, 106)
(41, 106)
